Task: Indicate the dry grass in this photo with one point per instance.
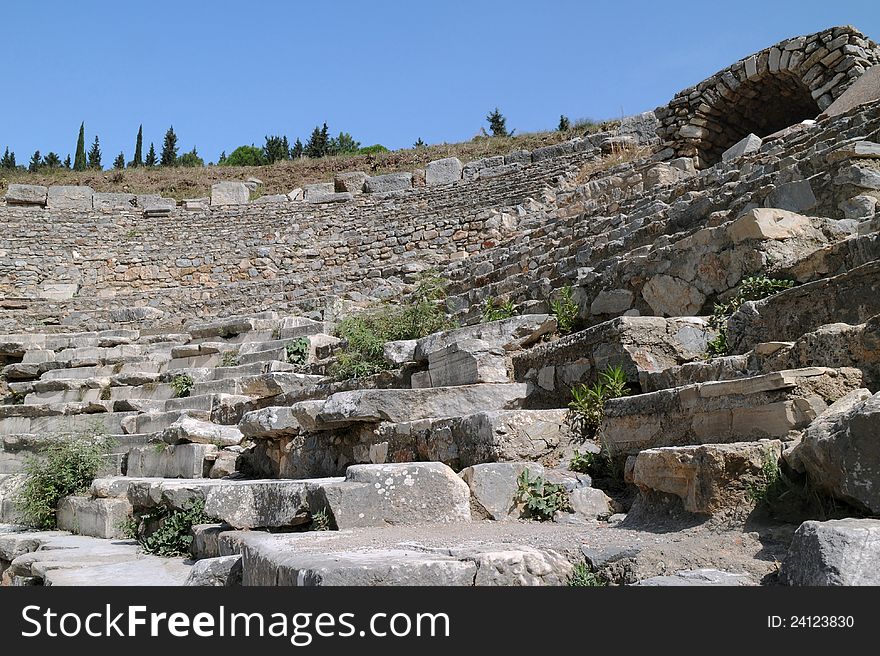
(616, 158)
(281, 177)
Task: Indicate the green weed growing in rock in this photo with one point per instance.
(496, 311)
(296, 352)
(229, 359)
(753, 288)
(320, 521)
(565, 310)
(65, 465)
(174, 533)
(541, 498)
(582, 577)
(182, 385)
(587, 407)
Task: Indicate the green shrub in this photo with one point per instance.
(582, 462)
(229, 359)
(182, 385)
(493, 311)
(297, 351)
(583, 577)
(565, 310)
(245, 156)
(66, 465)
(541, 498)
(365, 334)
(372, 150)
(587, 407)
(174, 533)
(753, 288)
(767, 487)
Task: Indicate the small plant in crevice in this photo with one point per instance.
(173, 535)
(767, 487)
(320, 521)
(229, 359)
(182, 385)
(565, 310)
(587, 407)
(16, 398)
(296, 352)
(753, 288)
(583, 577)
(497, 310)
(540, 497)
(66, 465)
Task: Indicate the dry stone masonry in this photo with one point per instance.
(202, 339)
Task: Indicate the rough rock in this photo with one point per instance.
(493, 486)
(380, 184)
(836, 552)
(69, 197)
(351, 182)
(509, 334)
(223, 571)
(230, 193)
(443, 171)
(25, 194)
(189, 429)
(751, 143)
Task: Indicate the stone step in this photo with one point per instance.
(157, 421)
(162, 460)
(253, 369)
(745, 409)
(508, 334)
(110, 422)
(98, 518)
(722, 368)
(17, 450)
(640, 345)
(213, 404)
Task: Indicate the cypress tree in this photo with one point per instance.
(36, 162)
(67, 161)
(318, 143)
(564, 123)
(8, 161)
(151, 156)
(138, 148)
(297, 151)
(95, 154)
(79, 160)
(119, 162)
(169, 149)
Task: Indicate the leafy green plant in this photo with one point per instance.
(296, 352)
(66, 465)
(541, 498)
(493, 311)
(229, 359)
(182, 385)
(587, 407)
(565, 310)
(771, 478)
(16, 397)
(320, 521)
(583, 577)
(753, 288)
(582, 462)
(174, 533)
(365, 334)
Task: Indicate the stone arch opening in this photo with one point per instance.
(762, 106)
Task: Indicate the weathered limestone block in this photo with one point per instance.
(797, 196)
(398, 493)
(590, 503)
(381, 184)
(672, 297)
(865, 89)
(612, 301)
(398, 352)
(169, 461)
(98, 518)
(745, 409)
(111, 201)
(397, 405)
(771, 223)
(749, 144)
(230, 193)
(493, 486)
(509, 334)
(638, 344)
(443, 171)
(262, 504)
(836, 552)
(852, 297)
(549, 152)
(468, 362)
(24, 194)
(223, 571)
(343, 197)
(351, 182)
(710, 479)
(269, 423)
(840, 450)
(472, 169)
(69, 197)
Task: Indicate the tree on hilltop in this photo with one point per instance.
(79, 159)
(151, 156)
(497, 123)
(67, 161)
(276, 149)
(169, 149)
(564, 124)
(52, 161)
(190, 159)
(36, 162)
(138, 149)
(297, 151)
(342, 145)
(318, 143)
(95, 155)
(8, 160)
(119, 162)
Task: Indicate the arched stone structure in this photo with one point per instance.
(765, 92)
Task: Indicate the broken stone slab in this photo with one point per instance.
(223, 571)
(509, 334)
(443, 171)
(25, 194)
(494, 486)
(637, 344)
(710, 479)
(197, 204)
(224, 328)
(313, 191)
(865, 89)
(229, 193)
(264, 503)
(156, 421)
(590, 503)
(293, 327)
(162, 460)
(716, 369)
(612, 301)
(859, 176)
(168, 493)
(270, 423)
(351, 182)
(189, 429)
(381, 184)
(699, 577)
(749, 144)
(342, 197)
(745, 409)
(399, 352)
(113, 201)
(856, 150)
(99, 518)
(69, 197)
(158, 207)
(851, 297)
(832, 553)
(276, 383)
(468, 362)
(395, 493)
(398, 405)
(763, 223)
(840, 450)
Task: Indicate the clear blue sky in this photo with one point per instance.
(226, 73)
